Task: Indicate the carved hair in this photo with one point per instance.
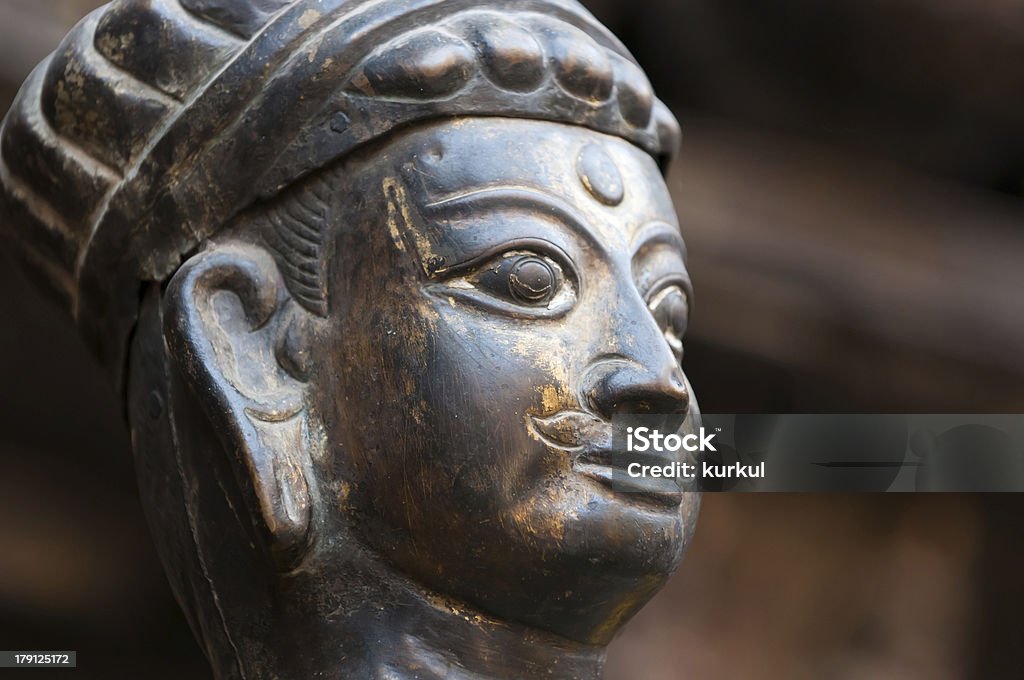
(295, 228)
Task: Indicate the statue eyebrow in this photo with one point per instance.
(519, 197)
(657, 232)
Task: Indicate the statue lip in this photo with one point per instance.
(574, 431)
(588, 441)
(663, 492)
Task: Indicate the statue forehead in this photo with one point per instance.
(598, 174)
(458, 189)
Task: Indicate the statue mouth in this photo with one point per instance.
(588, 441)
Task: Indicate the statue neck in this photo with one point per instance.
(436, 644)
(401, 632)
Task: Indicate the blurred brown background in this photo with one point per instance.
(851, 192)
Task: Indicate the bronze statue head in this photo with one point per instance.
(374, 277)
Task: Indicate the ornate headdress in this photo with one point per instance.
(156, 121)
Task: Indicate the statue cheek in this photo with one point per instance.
(505, 368)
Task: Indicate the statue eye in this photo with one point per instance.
(671, 309)
(528, 282)
(527, 279)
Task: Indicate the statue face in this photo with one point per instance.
(503, 288)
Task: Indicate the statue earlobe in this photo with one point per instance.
(228, 326)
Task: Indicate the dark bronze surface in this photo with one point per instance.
(374, 277)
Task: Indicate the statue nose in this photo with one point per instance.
(619, 386)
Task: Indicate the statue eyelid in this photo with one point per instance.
(664, 285)
(655, 234)
(659, 239)
(536, 245)
(659, 293)
(468, 281)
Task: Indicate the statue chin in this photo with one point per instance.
(384, 325)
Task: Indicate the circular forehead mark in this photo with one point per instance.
(599, 175)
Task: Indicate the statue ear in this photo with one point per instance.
(240, 345)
